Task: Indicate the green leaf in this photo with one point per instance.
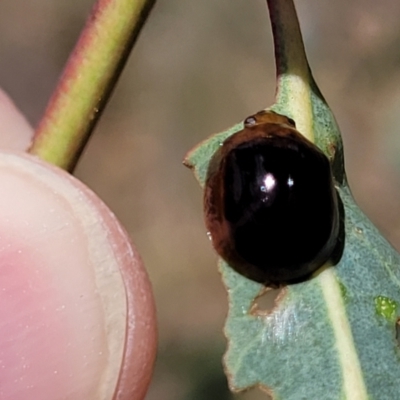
(333, 336)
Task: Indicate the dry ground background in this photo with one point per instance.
(198, 68)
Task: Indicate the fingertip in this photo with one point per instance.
(141, 328)
(77, 312)
(141, 337)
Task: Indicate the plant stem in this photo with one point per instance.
(293, 73)
(88, 80)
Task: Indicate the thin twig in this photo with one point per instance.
(88, 80)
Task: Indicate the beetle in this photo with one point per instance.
(270, 204)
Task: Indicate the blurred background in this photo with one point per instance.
(198, 68)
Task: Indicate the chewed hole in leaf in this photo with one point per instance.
(255, 393)
(267, 300)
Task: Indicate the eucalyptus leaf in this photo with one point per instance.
(334, 335)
